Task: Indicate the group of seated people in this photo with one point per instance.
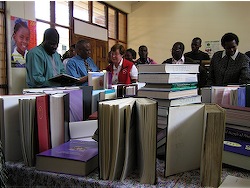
(43, 62)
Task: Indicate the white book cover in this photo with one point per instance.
(82, 129)
(184, 138)
(169, 68)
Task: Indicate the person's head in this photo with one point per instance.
(196, 44)
(130, 54)
(50, 40)
(143, 52)
(83, 49)
(177, 50)
(117, 53)
(21, 36)
(230, 41)
(72, 50)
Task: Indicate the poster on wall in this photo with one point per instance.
(22, 40)
(211, 47)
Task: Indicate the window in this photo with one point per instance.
(81, 10)
(54, 14)
(112, 23)
(3, 67)
(99, 14)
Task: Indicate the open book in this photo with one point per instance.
(64, 79)
(127, 138)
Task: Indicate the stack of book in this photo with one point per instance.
(171, 85)
(237, 137)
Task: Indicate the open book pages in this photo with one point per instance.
(122, 123)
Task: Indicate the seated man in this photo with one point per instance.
(79, 65)
(196, 54)
(43, 62)
(123, 71)
(177, 55)
(130, 55)
(229, 66)
(144, 59)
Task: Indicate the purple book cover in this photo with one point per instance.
(235, 145)
(75, 105)
(73, 150)
(242, 96)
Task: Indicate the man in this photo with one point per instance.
(43, 62)
(144, 59)
(177, 55)
(196, 54)
(79, 65)
(123, 71)
(229, 66)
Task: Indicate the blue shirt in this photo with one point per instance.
(76, 67)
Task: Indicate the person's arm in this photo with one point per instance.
(245, 71)
(35, 68)
(134, 74)
(71, 70)
(210, 79)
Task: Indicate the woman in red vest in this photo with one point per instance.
(123, 71)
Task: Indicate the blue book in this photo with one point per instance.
(236, 145)
(74, 157)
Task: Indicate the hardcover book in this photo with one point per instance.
(169, 87)
(191, 133)
(74, 157)
(96, 79)
(179, 101)
(169, 68)
(167, 78)
(167, 94)
(121, 124)
(64, 79)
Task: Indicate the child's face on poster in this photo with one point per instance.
(22, 39)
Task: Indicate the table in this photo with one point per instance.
(23, 176)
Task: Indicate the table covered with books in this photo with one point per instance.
(21, 175)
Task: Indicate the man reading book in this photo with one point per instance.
(79, 65)
(43, 62)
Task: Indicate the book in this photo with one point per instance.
(43, 126)
(169, 87)
(75, 105)
(82, 129)
(59, 122)
(28, 131)
(236, 159)
(212, 146)
(126, 90)
(167, 94)
(167, 78)
(96, 79)
(237, 131)
(122, 123)
(190, 132)
(162, 111)
(238, 96)
(74, 157)
(169, 68)
(179, 101)
(233, 181)
(10, 127)
(237, 145)
(64, 79)
(237, 115)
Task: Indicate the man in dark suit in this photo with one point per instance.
(196, 54)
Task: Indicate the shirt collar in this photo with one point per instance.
(120, 64)
(233, 57)
(180, 60)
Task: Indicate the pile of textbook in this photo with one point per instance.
(172, 85)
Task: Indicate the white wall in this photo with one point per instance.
(26, 10)
(159, 25)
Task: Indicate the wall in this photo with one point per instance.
(26, 10)
(159, 25)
